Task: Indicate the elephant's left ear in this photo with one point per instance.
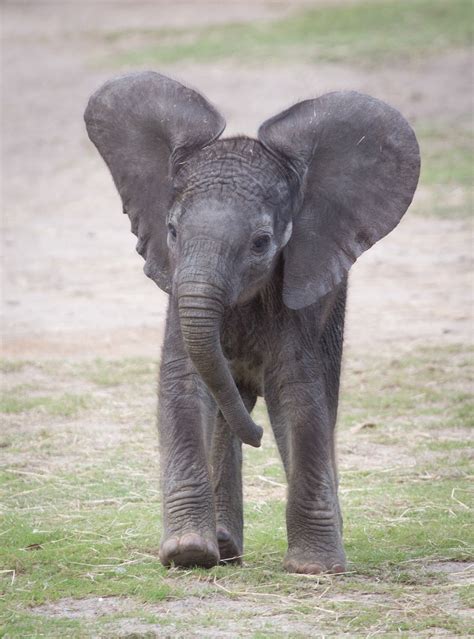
(359, 163)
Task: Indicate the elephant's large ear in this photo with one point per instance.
(359, 163)
(143, 124)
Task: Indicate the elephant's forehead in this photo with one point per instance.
(236, 168)
(241, 150)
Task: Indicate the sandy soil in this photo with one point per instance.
(264, 612)
(72, 282)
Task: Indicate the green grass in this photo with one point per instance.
(116, 372)
(451, 165)
(19, 400)
(367, 32)
(412, 389)
(90, 527)
(12, 366)
(447, 154)
(447, 169)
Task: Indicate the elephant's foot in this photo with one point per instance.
(191, 549)
(314, 563)
(228, 548)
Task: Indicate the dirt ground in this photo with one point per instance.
(72, 283)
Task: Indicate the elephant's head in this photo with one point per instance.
(326, 179)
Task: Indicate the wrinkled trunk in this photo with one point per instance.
(200, 310)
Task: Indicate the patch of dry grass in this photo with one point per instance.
(80, 508)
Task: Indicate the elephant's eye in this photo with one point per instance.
(172, 231)
(261, 243)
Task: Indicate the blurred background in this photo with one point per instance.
(72, 282)
(82, 329)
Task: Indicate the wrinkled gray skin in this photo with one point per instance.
(253, 240)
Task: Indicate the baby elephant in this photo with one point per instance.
(253, 240)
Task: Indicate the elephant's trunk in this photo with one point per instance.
(201, 308)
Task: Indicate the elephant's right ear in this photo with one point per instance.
(143, 124)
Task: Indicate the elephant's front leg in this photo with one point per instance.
(312, 514)
(226, 456)
(189, 536)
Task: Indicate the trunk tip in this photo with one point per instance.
(254, 437)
